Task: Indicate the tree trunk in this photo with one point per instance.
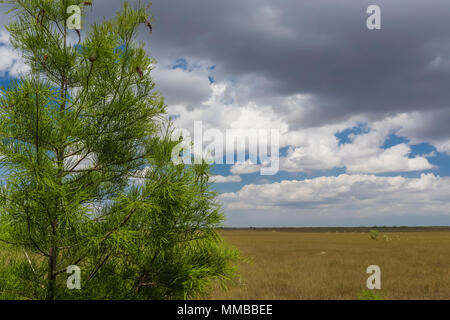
(51, 287)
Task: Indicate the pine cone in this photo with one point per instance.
(141, 73)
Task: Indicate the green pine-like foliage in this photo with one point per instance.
(87, 177)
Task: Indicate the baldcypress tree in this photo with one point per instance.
(87, 174)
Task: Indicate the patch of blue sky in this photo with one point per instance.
(284, 151)
(211, 77)
(441, 161)
(421, 149)
(409, 174)
(180, 63)
(5, 81)
(393, 140)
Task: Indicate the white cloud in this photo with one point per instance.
(356, 195)
(394, 159)
(80, 162)
(311, 148)
(245, 168)
(189, 88)
(4, 36)
(319, 149)
(10, 61)
(443, 146)
(226, 179)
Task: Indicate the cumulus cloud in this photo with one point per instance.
(394, 159)
(364, 154)
(347, 194)
(443, 146)
(311, 148)
(225, 179)
(245, 168)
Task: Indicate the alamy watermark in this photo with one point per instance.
(74, 280)
(74, 21)
(373, 22)
(374, 281)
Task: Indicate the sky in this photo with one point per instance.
(363, 114)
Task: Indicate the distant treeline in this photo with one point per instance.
(345, 229)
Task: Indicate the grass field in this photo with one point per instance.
(332, 263)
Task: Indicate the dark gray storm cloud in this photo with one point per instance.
(321, 48)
